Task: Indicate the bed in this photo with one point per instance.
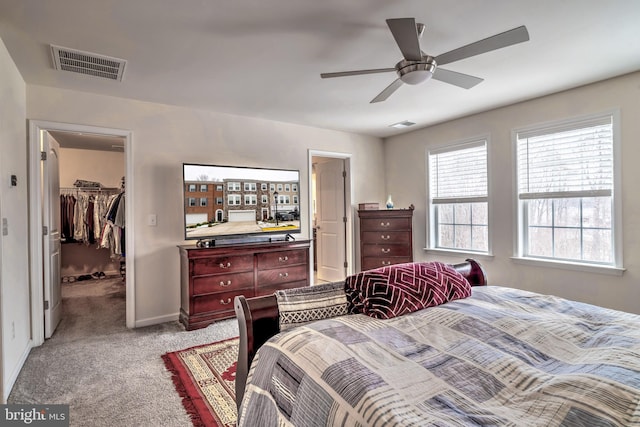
(491, 356)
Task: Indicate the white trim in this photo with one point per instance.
(150, 321)
(10, 380)
(36, 129)
(588, 268)
(456, 252)
(348, 196)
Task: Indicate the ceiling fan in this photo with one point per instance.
(417, 67)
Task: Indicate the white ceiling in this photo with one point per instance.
(263, 58)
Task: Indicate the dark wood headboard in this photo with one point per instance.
(258, 321)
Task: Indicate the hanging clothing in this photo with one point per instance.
(113, 236)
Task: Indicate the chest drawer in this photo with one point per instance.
(369, 263)
(222, 282)
(267, 278)
(222, 264)
(216, 302)
(386, 237)
(389, 250)
(384, 224)
(281, 259)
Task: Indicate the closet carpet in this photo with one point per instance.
(108, 374)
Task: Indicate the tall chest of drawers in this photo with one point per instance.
(210, 278)
(385, 237)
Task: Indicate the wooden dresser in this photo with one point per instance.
(211, 278)
(385, 237)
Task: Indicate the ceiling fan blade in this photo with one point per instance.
(508, 38)
(464, 81)
(356, 73)
(406, 34)
(387, 91)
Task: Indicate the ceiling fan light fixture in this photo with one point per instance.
(416, 72)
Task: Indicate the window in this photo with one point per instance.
(233, 186)
(234, 199)
(566, 184)
(249, 186)
(203, 188)
(250, 199)
(294, 188)
(218, 187)
(192, 188)
(192, 201)
(287, 187)
(458, 194)
(203, 201)
(265, 199)
(295, 200)
(218, 200)
(263, 186)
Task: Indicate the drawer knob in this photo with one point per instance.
(225, 284)
(384, 224)
(385, 250)
(227, 302)
(283, 275)
(283, 258)
(383, 237)
(386, 262)
(223, 265)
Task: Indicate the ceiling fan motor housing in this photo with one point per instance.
(416, 72)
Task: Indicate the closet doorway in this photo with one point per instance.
(331, 218)
(92, 165)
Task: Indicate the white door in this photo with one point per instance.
(330, 220)
(51, 238)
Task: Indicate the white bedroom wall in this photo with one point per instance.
(164, 137)
(405, 166)
(14, 267)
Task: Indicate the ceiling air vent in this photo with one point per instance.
(89, 63)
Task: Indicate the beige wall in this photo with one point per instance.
(14, 278)
(405, 168)
(163, 138)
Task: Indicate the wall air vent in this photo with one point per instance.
(88, 63)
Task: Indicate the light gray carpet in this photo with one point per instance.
(108, 374)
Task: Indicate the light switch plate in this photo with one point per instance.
(152, 220)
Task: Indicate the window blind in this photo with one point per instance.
(574, 160)
(459, 174)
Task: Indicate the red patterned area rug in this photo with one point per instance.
(204, 377)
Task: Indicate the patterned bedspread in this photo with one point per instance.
(501, 357)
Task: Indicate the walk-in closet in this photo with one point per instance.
(92, 226)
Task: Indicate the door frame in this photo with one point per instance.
(348, 229)
(36, 130)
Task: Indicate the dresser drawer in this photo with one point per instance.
(222, 282)
(222, 264)
(386, 237)
(383, 224)
(283, 275)
(222, 301)
(390, 250)
(268, 290)
(281, 259)
(369, 263)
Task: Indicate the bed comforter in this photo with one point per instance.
(502, 357)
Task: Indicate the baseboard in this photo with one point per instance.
(156, 320)
(10, 380)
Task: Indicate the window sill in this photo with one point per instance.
(468, 254)
(589, 268)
